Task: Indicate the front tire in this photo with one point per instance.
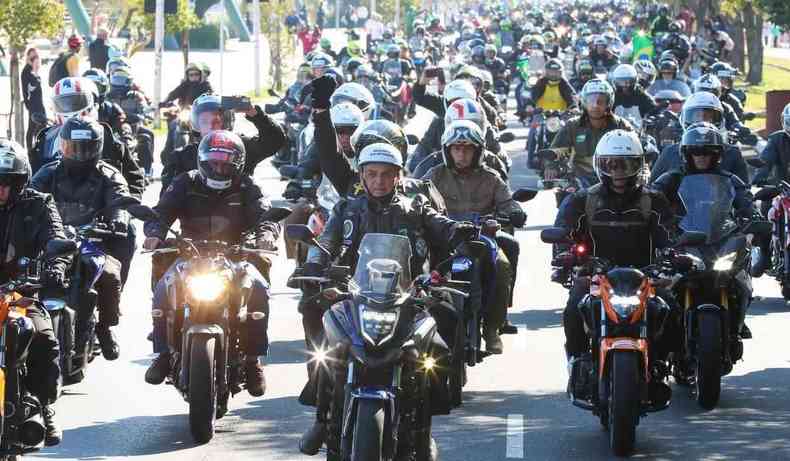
(623, 401)
(709, 356)
(368, 431)
(202, 388)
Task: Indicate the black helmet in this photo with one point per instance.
(668, 65)
(479, 54)
(221, 158)
(81, 142)
(553, 69)
(701, 138)
(99, 78)
(675, 26)
(374, 131)
(14, 168)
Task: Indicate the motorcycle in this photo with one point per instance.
(715, 297)
(385, 355)
(622, 381)
(21, 422)
(296, 119)
(779, 215)
(204, 331)
(545, 126)
(313, 208)
(566, 182)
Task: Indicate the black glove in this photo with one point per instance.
(323, 87)
(463, 231)
(518, 218)
(312, 269)
(293, 191)
(119, 226)
(54, 279)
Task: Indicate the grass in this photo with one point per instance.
(774, 78)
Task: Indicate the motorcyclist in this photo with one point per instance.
(626, 221)
(194, 83)
(677, 42)
(29, 220)
(584, 73)
(463, 109)
(630, 100)
(661, 23)
(218, 191)
(702, 148)
(471, 189)
(497, 67)
(381, 209)
(645, 72)
(83, 185)
(601, 56)
(552, 91)
(702, 107)
(136, 107)
(418, 42)
(326, 47)
(668, 70)
(732, 123)
(581, 134)
(109, 112)
(208, 115)
(726, 75)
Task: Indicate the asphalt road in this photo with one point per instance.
(515, 404)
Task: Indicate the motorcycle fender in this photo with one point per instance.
(338, 325)
(623, 344)
(198, 330)
(373, 393)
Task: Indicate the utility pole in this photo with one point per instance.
(256, 29)
(159, 36)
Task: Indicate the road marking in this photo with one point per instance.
(515, 436)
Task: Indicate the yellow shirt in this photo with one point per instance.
(552, 98)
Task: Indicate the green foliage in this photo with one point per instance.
(778, 12)
(386, 8)
(22, 20)
(185, 19)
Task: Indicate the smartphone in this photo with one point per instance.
(235, 103)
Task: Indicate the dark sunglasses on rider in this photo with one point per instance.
(193, 74)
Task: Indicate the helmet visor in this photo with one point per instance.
(697, 114)
(337, 98)
(72, 103)
(619, 167)
(81, 150)
(593, 100)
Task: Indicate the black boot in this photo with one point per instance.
(159, 369)
(109, 345)
(314, 438)
(53, 433)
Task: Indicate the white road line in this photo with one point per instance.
(515, 436)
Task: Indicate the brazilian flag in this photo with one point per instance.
(642, 46)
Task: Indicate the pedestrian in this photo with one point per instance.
(33, 96)
(99, 50)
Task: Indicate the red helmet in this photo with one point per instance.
(75, 41)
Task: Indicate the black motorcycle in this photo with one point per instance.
(714, 297)
(384, 355)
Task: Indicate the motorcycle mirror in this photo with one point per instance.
(756, 162)
(277, 214)
(766, 193)
(507, 136)
(547, 155)
(554, 235)
(524, 195)
(299, 233)
(759, 227)
(289, 171)
(749, 116)
(413, 139)
(143, 213)
(691, 238)
(59, 247)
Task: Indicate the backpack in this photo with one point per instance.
(58, 69)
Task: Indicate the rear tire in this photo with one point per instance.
(368, 431)
(709, 356)
(785, 289)
(202, 388)
(623, 401)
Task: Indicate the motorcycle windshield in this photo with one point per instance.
(383, 273)
(708, 200)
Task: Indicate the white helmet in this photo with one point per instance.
(624, 75)
(458, 89)
(356, 94)
(703, 106)
(463, 132)
(346, 114)
(709, 83)
(619, 155)
(465, 109)
(786, 118)
(73, 96)
(380, 153)
(598, 86)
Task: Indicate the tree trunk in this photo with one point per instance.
(740, 29)
(185, 46)
(128, 18)
(17, 111)
(753, 21)
(277, 54)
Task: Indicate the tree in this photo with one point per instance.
(281, 42)
(20, 21)
(749, 25)
(182, 22)
(778, 12)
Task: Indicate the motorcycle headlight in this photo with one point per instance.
(553, 124)
(377, 326)
(206, 287)
(725, 263)
(624, 305)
